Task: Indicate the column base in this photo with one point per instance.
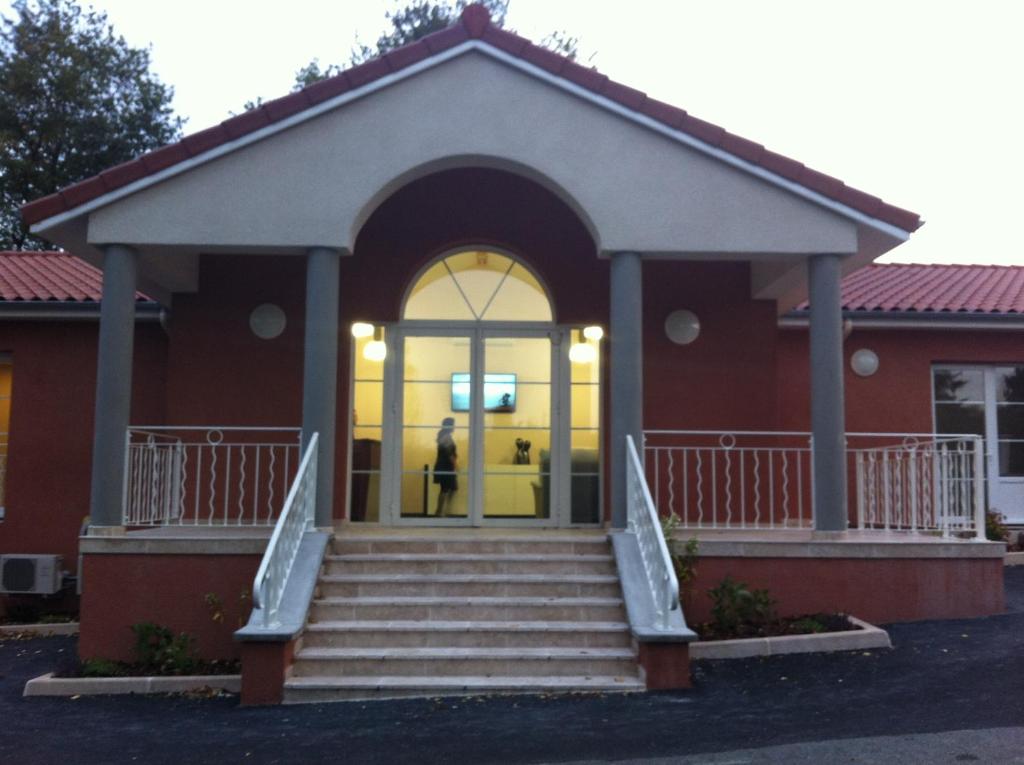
(829, 536)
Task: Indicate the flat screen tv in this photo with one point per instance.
(499, 392)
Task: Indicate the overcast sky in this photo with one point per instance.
(919, 103)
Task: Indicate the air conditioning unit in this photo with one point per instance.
(30, 574)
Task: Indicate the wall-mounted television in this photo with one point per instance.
(499, 392)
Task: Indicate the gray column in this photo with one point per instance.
(320, 372)
(627, 375)
(113, 387)
(828, 422)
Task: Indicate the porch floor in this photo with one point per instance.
(201, 532)
(853, 543)
(461, 532)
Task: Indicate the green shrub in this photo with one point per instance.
(685, 562)
(159, 650)
(735, 606)
(807, 625)
(102, 668)
(22, 612)
(995, 526)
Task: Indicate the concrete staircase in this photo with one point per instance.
(456, 612)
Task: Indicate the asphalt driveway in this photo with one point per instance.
(940, 676)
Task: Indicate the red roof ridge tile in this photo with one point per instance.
(474, 23)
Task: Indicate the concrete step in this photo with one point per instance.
(462, 634)
(461, 662)
(429, 563)
(539, 544)
(468, 609)
(299, 690)
(491, 585)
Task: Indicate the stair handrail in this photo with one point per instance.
(295, 520)
(643, 520)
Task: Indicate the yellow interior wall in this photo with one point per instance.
(585, 403)
(426, 401)
(368, 413)
(6, 376)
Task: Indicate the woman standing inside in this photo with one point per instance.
(446, 466)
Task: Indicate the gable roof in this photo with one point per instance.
(932, 289)
(474, 24)
(50, 277)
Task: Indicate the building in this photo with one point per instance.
(383, 286)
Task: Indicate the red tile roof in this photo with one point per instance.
(934, 288)
(475, 23)
(50, 277)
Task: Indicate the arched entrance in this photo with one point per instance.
(490, 410)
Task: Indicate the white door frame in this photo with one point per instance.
(996, 484)
(560, 402)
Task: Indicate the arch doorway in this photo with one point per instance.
(489, 409)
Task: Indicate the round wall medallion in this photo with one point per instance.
(682, 327)
(267, 321)
(864, 362)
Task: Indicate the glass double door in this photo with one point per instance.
(988, 401)
(475, 433)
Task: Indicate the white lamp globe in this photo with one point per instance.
(582, 353)
(864, 362)
(375, 350)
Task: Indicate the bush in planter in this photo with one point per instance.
(736, 610)
(995, 527)
(98, 668)
(685, 562)
(161, 652)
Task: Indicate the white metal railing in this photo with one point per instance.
(207, 475)
(296, 519)
(764, 480)
(642, 516)
(930, 484)
(718, 479)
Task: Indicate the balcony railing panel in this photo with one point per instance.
(208, 475)
(764, 480)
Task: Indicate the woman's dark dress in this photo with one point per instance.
(444, 465)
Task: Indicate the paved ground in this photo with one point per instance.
(941, 692)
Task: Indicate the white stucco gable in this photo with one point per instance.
(312, 179)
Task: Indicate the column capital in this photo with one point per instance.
(322, 250)
(116, 249)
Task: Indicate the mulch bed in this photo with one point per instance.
(72, 667)
(47, 619)
(808, 624)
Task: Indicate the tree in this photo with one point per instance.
(412, 22)
(75, 99)
(419, 19)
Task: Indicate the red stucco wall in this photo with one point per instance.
(877, 590)
(50, 451)
(726, 377)
(122, 590)
(898, 397)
